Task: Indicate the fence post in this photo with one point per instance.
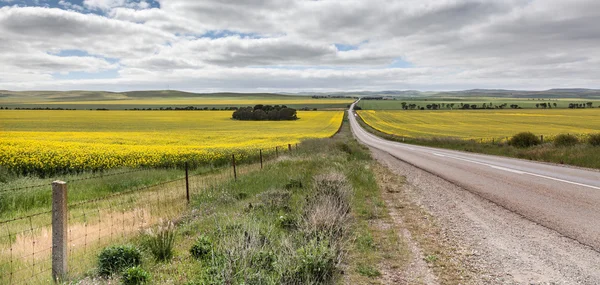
(59, 230)
(233, 163)
(542, 138)
(277, 151)
(261, 163)
(187, 183)
(296, 146)
(289, 147)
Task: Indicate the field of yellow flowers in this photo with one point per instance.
(47, 142)
(483, 124)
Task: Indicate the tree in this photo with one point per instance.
(589, 104)
(259, 115)
(287, 114)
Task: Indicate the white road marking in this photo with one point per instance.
(521, 172)
(481, 163)
(507, 169)
(562, 180)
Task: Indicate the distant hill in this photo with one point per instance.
(580, 93)
(551, 93)
(81, 95)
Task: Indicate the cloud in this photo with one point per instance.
(284, 45)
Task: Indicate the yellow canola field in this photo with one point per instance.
(46, 142)
(483, 124)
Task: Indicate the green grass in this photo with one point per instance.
(273, 226)
(479, 101)
(582, 154)
(36, 195)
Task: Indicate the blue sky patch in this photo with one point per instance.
(217, 34)
(400, 63)
(76, 75)
(343, 47)
(77, 52)
(55, 4)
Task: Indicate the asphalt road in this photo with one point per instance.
(564, 199)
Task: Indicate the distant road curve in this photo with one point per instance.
(564, 199)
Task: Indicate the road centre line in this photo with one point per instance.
(520, 172)
(396, 144)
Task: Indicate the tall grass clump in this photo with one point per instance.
(314, 263)
(524, 139)
(565, 140)
(594, 139)
(160, 241)
(327, 211)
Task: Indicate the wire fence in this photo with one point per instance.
(129, 203)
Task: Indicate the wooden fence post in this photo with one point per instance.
(233, 163)
(542, 138)
(187, 183)
(261, 162)
(59, 230)
(277, 151)
(289, 147)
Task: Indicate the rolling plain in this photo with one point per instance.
(47, 142)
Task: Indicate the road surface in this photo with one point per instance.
(563, 199)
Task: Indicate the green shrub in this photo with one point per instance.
(115, 259)
(202, 248)
(566, 140)
(135, 276)
(160, 241)
(594, 139)
(524, 139)
(315, 263)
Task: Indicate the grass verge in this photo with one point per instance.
(316, 216)
(582, 155)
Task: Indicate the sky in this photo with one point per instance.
(298, 45)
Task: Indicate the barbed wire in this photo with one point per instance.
(25, 217)
(105, 222)
(73, 180)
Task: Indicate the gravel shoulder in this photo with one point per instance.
(466, 239)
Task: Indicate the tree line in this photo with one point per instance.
(265, 113)
(451, 106)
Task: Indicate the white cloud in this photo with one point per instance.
(451, 44)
